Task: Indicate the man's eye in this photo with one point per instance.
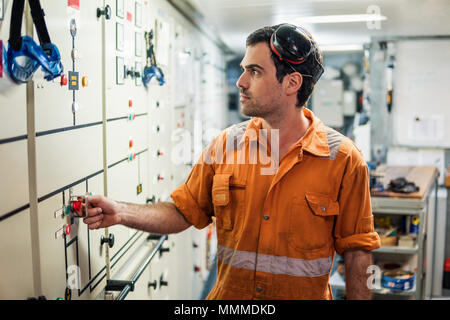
(255, 72)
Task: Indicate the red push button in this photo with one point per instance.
(197, 269)
(130, 103)
(130, 143)
(160, 178)
(76, 206)
(64, 80)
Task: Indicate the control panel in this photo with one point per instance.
(135, 74)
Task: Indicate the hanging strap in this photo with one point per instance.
(15, 37)
(38, 18)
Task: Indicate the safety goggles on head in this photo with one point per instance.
(294, 46)
(24, 56)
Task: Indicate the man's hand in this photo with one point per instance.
(102, 212)
(160, 218)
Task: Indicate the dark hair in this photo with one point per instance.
(303, 94)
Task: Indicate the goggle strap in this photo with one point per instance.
(38, 18)
(15, 38)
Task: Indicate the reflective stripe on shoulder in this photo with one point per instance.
(235, 133)
(334, 140)
(274, 264)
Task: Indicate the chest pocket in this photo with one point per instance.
(311, 221)
(228, 197)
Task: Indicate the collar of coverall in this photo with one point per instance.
(314, 141)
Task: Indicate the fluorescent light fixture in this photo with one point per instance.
(343, 47)
(341, 18)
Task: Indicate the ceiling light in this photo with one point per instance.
(340, 18)
(344, 47)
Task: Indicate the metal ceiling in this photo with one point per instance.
(233, 20)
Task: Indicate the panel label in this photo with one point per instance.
(74, 4)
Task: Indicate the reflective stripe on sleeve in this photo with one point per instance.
(274, 264)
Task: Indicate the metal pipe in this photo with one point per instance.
(141, 269)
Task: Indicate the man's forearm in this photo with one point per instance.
(161, 217)
(356, 265)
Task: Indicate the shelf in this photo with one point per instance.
(337, 282)
(396, 211)
(400, 250)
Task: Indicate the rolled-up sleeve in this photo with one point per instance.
(354, 227)
(193, 198)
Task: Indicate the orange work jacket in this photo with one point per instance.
(278, 230)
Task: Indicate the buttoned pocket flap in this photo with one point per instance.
(322, 205)
(221, 189)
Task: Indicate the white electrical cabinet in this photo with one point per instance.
(327, 102)
(98, 130)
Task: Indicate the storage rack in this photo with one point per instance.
(421, 204)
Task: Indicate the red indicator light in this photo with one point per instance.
(64, 80)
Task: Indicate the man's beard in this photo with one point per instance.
(252, 108)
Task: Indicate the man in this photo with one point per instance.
(279, 217)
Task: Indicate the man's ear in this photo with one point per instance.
(294, 82)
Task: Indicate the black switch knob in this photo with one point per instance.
(130, 72)
(106, 12)
(109, 240)
(153, 284)
(154, 237)
(162, 282)
(162, 250)
(137, 74)
(152, 199)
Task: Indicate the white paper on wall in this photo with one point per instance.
(428, 128)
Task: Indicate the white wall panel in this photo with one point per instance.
(14, 176)
(66, 157)
(16, 264)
